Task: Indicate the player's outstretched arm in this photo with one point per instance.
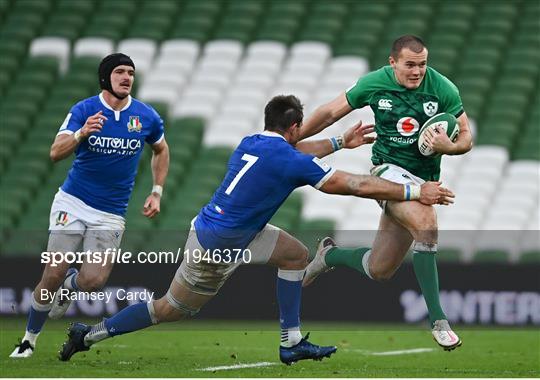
(160, 168)
(352, 138)
(325, 115)
(367, 186)
(64, 144)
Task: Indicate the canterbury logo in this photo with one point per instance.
(385, 104)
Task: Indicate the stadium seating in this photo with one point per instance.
(93, 46)
(209, 67)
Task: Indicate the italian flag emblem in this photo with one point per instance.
(134, 124)
(62, 218)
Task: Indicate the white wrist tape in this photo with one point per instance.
(157, 189)
(415, 192)
(77, 136)
(337, 142)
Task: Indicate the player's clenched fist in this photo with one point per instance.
(93, 124)
(439, 142)
(152, 206)
(433, 193)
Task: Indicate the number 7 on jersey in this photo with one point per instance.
(250, 161)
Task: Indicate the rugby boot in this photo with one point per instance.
(304, 350)
(22, 350)
(75, 343)
(318, 264)
(444, 336)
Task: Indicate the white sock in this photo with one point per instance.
(96, 334)
(71, 282)
(365, 263)
(30, 337)
(290, 337)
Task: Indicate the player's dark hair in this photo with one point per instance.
(281, 112)
(415, 44)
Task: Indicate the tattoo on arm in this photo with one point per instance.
(368, 186)
(354, 182)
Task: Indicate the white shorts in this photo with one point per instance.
(397, 174)
(206, 278)
(70, 215)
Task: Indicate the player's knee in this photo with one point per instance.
(303, 254)
(425, 223)
(165, 312)
(176, 308)
(425, 226)
(52, 280)
(381, 274)
(91, 282)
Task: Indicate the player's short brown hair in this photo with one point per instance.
(408, 41)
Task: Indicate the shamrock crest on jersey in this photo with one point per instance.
(430, 108)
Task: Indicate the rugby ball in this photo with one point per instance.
(440, 123)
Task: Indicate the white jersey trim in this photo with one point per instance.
(116, 113)
(272, 134)
(160, 139)
(323, 180)
(66, 121)
(65, 132)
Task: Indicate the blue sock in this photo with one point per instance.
(132, 318)
(37, 316)
(289, 295)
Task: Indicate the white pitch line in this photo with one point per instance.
(403, 352)
(237, 366)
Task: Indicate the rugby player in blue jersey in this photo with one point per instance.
(107, 133)
(263, 170)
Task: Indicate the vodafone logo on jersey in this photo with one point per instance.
(407, 126)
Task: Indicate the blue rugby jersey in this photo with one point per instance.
(103, 172)
(262, 172)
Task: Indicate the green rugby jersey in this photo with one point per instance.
(399, 114)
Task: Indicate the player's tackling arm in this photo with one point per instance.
(325, 115)
(160, 168)
(367, 186)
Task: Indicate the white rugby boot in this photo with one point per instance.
(22, 350)
(318, 264)
(60, 304)
(444, 336)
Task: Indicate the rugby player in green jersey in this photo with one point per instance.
(403, 96)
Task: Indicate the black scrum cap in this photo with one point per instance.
(106, 67)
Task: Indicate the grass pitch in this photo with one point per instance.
(195, 348)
